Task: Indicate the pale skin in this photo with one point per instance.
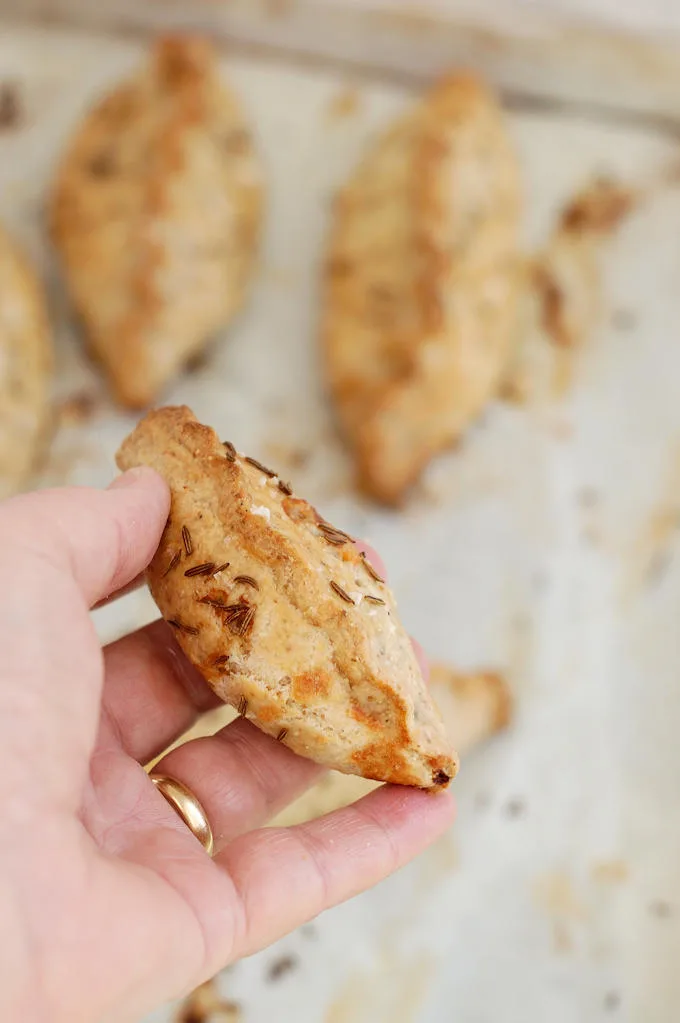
(108, 904)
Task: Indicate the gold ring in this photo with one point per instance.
(187, 807)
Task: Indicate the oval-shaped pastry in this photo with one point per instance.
(155, 213)
(281, 614)
(25, 367)
(422, 283)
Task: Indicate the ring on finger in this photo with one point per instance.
(187, 807)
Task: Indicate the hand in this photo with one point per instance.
(109, 906)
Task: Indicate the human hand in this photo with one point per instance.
(109, 905)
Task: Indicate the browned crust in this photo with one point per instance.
(129, 168)
(302, 655)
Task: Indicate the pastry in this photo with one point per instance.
(282, 615)
(423, 279)
(155, 214)
(25, 367)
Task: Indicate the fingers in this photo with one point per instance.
(152, 694)
(103, 538)
(241, 776)
(285, 876)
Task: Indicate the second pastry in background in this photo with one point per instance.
(25, 367)
(155, 213)
(423, 282)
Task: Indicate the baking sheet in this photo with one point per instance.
(542, 547)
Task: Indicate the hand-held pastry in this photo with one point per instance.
(25, 367)
(155, 214)
(423, 280)
(281, 614)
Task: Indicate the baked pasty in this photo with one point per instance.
(423, 280)
(282, 615)
(155, 213)
(25, 367)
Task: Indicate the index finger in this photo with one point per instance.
(102, 538)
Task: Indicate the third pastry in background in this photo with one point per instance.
(25, 367)
(423, 281)
(155, 213)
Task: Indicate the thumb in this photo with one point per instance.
(102, 538)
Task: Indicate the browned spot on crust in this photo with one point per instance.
(383, 710)
(311, 686)
(372, 571)
(383, 760)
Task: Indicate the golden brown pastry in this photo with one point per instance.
(155, 214)
(423, 282)
(282, 615)
(25, 367)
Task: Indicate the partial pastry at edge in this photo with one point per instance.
(281, 614)
(155, 213)
(26, 360)
(423, 280)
